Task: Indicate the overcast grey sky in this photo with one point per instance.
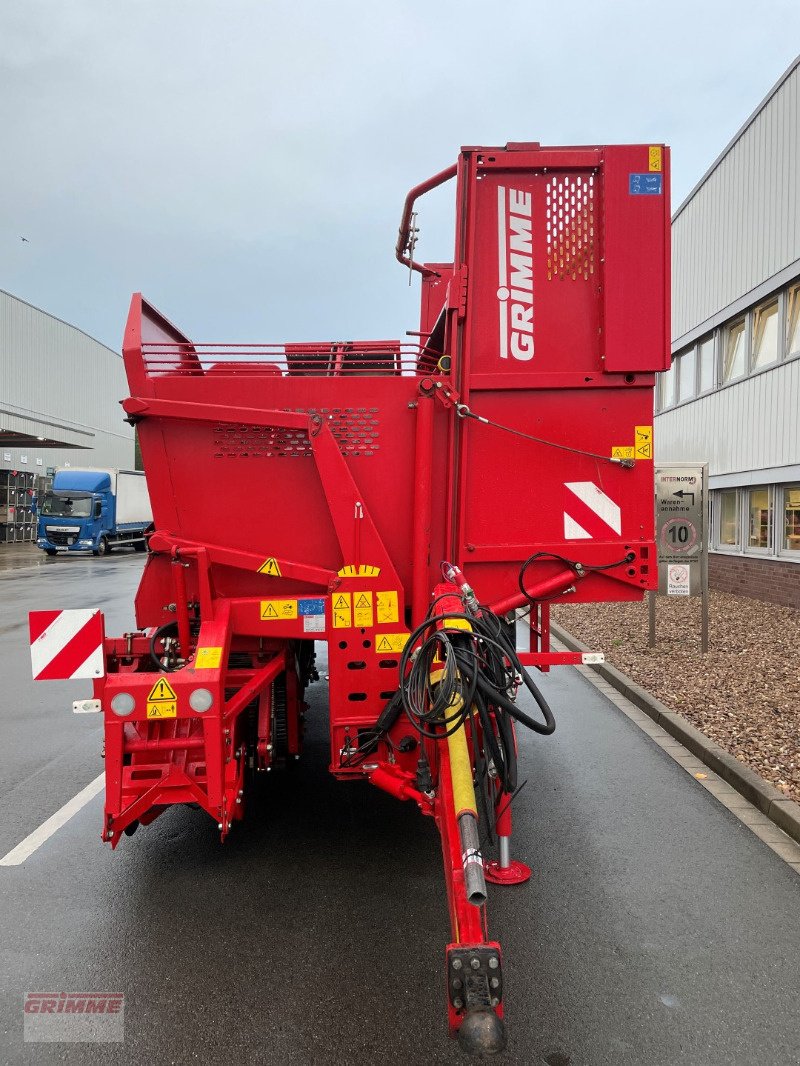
(244, 163)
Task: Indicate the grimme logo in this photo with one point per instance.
(515, 278)
(77, 1017)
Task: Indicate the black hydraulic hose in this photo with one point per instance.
(156, 636)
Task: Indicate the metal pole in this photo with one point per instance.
(704, 565)
(651, 616)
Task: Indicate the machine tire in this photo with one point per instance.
(50, 551)
(102, 547)
(140, 545)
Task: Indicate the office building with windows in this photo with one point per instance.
(732, 396)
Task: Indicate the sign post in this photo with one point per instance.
(682, 536)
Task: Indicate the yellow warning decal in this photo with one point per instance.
(644, 442)
(622, 453)
(207, 658)
(341, 608)
(363, 570)
(390, 642)
(275, 610)
(362, 609)
(654, 157)
(270, 566)
(162, 701)
(386, 607)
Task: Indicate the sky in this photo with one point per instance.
(243, 163)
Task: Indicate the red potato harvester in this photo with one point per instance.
(407, 501)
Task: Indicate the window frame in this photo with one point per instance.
(716, 540)
(755, 549)
(752, 314)
(691, 350)
(743, 320)
(787, 554)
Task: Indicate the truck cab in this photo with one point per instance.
(79, 514)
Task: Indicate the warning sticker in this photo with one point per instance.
(362, 609)
(654, 157)
(390, 642)
(207, 658)
(644, 451)
(162, 701)
(341, 608)
(270, 566)
(386, 607)
(275, 610)
(621, 453)
(644, 434)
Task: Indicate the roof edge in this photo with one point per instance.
(747, 123)
(63, 322)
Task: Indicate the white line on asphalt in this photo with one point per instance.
(26, 847)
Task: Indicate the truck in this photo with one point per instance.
(94, 510)
(415, 500)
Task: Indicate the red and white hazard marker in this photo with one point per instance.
(66, 644)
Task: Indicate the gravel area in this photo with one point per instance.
(744, 694)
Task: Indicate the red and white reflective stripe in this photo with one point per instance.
(66, 644)
(591, 514)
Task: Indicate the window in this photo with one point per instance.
(667, 388)
(760, 518)
(793, 321)
(708, 369)
(734, 365)
(765, 335)
(728, 533)
(791, 518)
(686, 375)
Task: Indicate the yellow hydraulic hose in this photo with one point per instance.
(460, 766)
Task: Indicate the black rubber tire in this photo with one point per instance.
(140, 545)
(50, 551)
(102, 547)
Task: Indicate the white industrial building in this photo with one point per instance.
(732, 396)
(59, 405)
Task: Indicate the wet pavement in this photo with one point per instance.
(656, 929)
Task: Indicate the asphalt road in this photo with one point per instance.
(656, 929)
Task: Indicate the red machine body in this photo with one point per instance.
(514, 440)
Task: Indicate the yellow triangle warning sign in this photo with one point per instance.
(270, 566)
(384, 645)
(270, 612)
(364, 600)
(341, 603)
(162, 692)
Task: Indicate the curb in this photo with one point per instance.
(785, 813)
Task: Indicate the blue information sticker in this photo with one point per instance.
(311, 606)
(645, 184)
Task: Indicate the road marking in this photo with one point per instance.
(31, 843)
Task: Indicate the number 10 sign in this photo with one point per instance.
(681, 507)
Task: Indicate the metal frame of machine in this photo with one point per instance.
(406, 500)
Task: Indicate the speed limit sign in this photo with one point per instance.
(680, 524)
